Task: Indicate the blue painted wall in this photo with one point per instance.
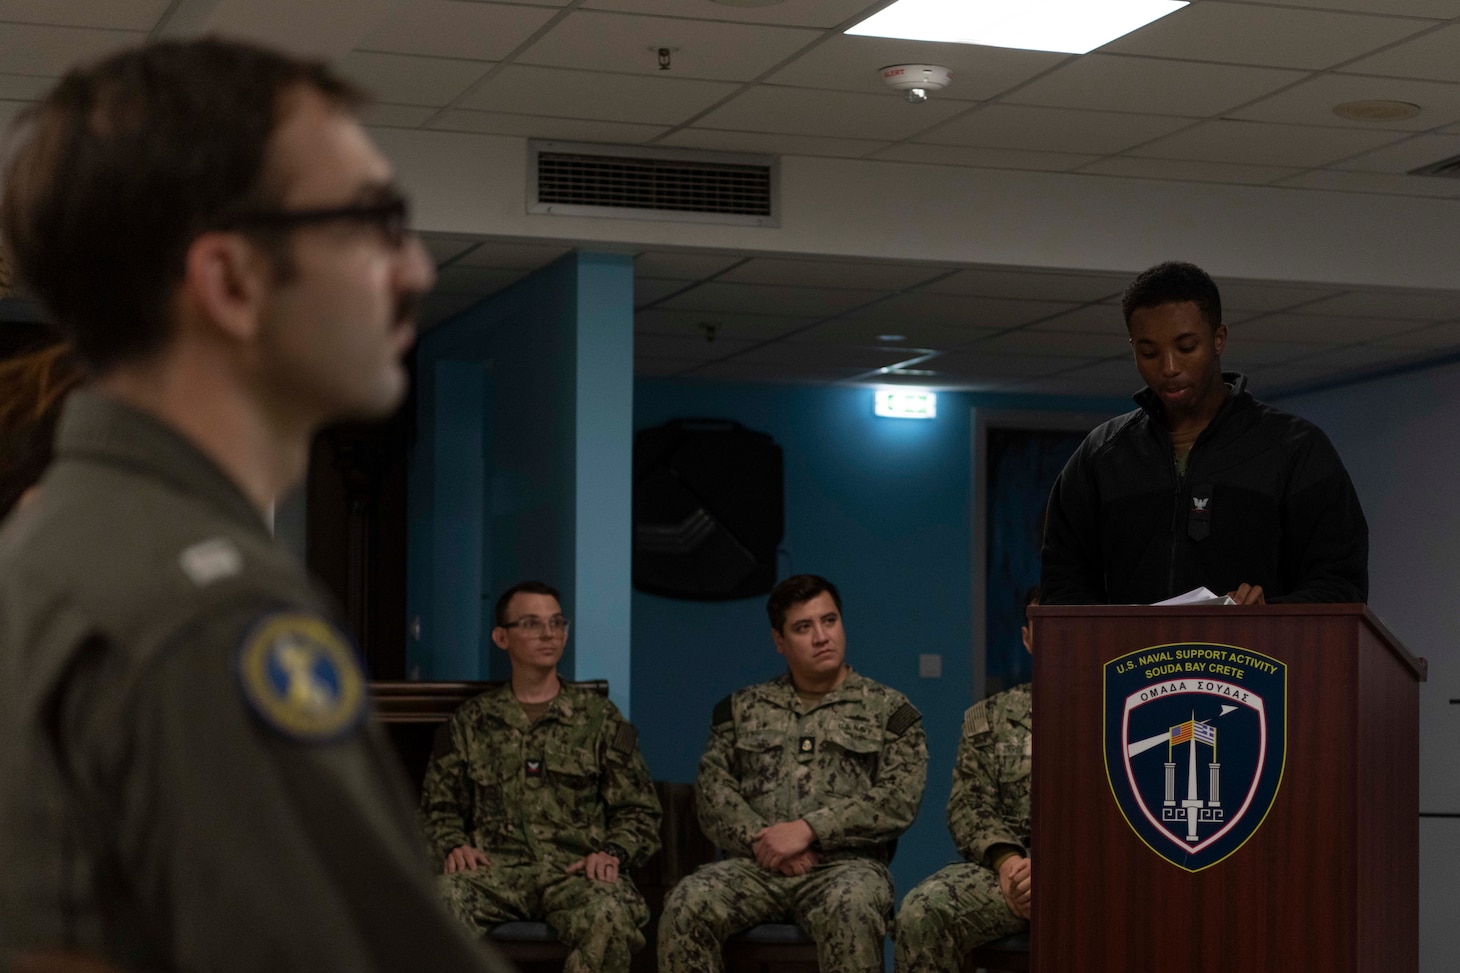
(522, 469)
(882, 507)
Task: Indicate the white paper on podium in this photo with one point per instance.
(1197, 596)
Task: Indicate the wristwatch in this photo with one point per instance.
(616, 851)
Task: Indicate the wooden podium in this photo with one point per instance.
(1151, 855)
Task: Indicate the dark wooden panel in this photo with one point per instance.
(1288, 899)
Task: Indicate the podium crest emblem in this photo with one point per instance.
(1195, 743)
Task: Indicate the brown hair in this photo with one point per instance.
(795, 590)
(125, 163)
(32, 387)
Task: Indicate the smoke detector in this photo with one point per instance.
(916, 80)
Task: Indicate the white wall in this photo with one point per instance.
(1398, 436)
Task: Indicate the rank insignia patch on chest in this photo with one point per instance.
(301, 678)
(808, 744)
(1195, 743)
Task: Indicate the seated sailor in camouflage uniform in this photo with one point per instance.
(536, 799)
(986, 897)
(805, 783)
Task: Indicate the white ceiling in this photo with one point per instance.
(1221, 92)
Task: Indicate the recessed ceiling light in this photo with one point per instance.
(892, 337)
(1066, 26)
(1377, 110)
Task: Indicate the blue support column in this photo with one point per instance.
(551, 430)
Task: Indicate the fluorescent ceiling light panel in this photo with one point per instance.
(1066, 26)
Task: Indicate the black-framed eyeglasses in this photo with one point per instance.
(532, 625)
(390, 217)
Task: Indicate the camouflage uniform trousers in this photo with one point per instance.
(950, 913)
(601, 921)
(843, 905)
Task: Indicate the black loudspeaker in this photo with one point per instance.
(709, 513)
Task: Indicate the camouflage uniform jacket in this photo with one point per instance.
(558, 789)
(853, 767)
(990, 800)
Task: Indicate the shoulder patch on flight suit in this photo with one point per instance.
(724, 711)
(905, 716)
(300, 677)
(976, 720)
(624, 739)
(211, 560)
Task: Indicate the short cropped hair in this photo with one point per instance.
(793, 591)
(126, 162)
(523, 588)
(1174, 282)
(32, 388)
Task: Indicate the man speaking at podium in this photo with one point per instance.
(1202, 485)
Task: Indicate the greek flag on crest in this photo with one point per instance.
(1195, 742)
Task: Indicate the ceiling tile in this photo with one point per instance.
(797, 13)
(779, 143)
(406, 80)
(1242, 353)
(534, 126)
(765, 299)
(478, 281)
(831, 273)
(1328, 329)
(758, 327)
(980, 364)
(1240, 33)
(1188, 170)
(1257, 143)
(444, 247)
(1357, 357)
(1438, 9)
(1401, 157)
(1312, 102)
(960, 311)
(1405, 305)
(1435, 336)
(1030, 285)
(816, 354)
(848, 63)
(672, 265)
(1110, 82)
(916, 333)
(598, 41)
(519, 256)
(686, 347)
(648, 291)
(1431, 56)
(8, 111)
(660, 367)
(140, 15)
(1052, 129)
(776, 372)
(591, 95)
(382, 115)
(1035, 342)
(1101, 319)
(840, 114)
(444, 28)
(963, 155)
(1264, 380)
(1375, 182)
(51, 51)
(1095, 380)
(1262, 296)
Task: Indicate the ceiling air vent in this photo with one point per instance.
(1445, 168)
(627, 182)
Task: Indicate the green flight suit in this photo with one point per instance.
(960, 907)
(189, 779)
(853, 767)
(536, 798)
